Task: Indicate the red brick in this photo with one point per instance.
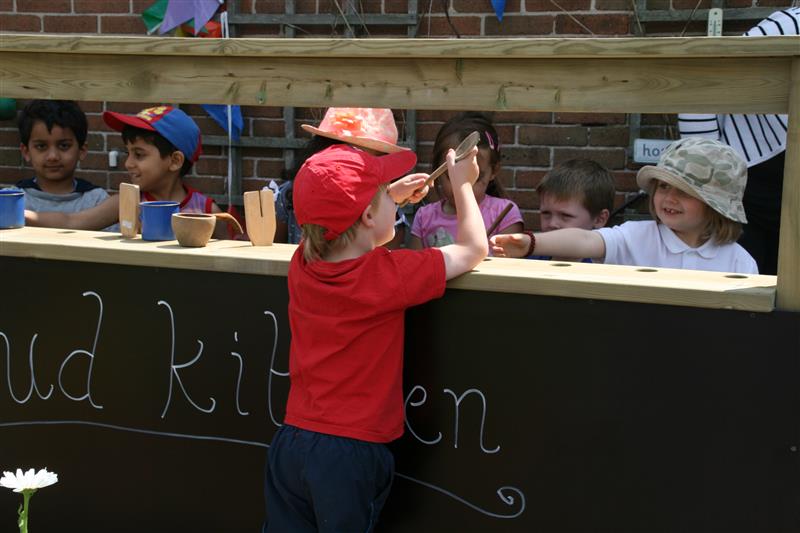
(528, 179)
(44, 6)
(270, 168)
(589, 119)
(115, 178)
(520, 25)
(95, 161)
(248, 167)
(482, 6)
(9, 138)
(214, 166)
(547, 5)
(525, 199)
(745, 3)
(613, 5)
(395, 6)
(138, 6)
(306, 6)
(266, 30)
(609, 136)
(245, 6)
(6, 5)
(262, 111)
(206, 185)
(91, 107)
(101, 6)
(437, 26)
(553, 135)
(268, 128)
(612, 158)
(626, 181)
(96, 142)
(122, 24)
(598, 24)
(527, 156)
(264, 7)
(30, 23)
(10, 157)
(70, 24)
(11, 175)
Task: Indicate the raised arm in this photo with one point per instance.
(470, 247)
(567, 242)
(95, 218)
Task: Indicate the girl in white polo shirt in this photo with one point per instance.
(696, 202)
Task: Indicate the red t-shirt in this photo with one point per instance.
(346, 355)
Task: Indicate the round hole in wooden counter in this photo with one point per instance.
(736, 276)
(646, 270)
(67, 231)
(560, 264)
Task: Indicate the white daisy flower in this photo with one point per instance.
(29, 480)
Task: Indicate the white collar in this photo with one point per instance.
(708, 250)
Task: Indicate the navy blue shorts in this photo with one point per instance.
(319, 482)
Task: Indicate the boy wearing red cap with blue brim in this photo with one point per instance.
(329, 467)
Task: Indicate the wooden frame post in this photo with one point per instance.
(788, 293)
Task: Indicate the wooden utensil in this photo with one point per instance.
(128, 210)
(499, 219)
(259, 215)
(463, 148)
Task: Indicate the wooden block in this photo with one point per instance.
(259, 214)
(128, 210)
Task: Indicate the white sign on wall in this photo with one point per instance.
(648, 150)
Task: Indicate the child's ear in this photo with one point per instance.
(176, 160)
(601, 219)
(83, 151)
(26, 154)
(368, 217)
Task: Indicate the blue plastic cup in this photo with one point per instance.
(12, 208)
(157, 220)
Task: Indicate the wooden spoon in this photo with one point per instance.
(230, 219)
(462, 150)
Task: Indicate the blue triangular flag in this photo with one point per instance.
(219, 112)
(499, 8)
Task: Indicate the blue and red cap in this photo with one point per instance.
(172, 123)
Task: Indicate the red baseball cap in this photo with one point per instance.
(334, 186)
(173, 124)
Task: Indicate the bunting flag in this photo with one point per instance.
(219, 112)
(181, 11)
(153, 15)
(499, 8)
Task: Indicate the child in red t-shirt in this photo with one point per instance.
(329, 468)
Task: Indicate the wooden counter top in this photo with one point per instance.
(549, 278)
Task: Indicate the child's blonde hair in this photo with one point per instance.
(315, 246)
(720, 229)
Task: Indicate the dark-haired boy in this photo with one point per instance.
(578, 193)
(53, 141)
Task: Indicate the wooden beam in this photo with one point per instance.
(654, 85)
(692, 288)
(788, 297)
(590, 48)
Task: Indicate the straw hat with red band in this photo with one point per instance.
(368, 127)
(172, 123)
(334, 186)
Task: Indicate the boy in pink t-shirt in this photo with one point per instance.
(329, 468)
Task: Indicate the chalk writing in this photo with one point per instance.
(239, 379)
(90, 355)
(458, 400)
(272, 370)
(34, 386)
(173, 372)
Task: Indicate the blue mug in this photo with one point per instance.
(12, 208)
(157, 220)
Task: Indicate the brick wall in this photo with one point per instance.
(532, 142)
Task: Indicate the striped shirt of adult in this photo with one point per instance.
(756, 138)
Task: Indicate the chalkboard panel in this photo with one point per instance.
(156, 391)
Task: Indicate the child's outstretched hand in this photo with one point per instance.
(411, 188)
(465, 170)
(510, 245)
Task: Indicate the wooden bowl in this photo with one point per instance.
(193, 230)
